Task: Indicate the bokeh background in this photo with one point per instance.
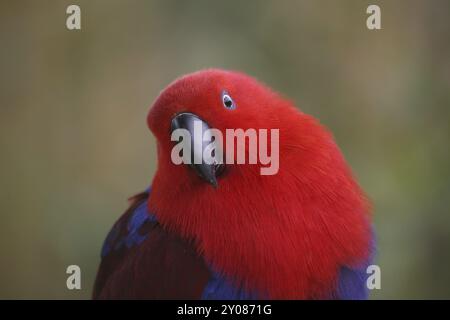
(74, 142)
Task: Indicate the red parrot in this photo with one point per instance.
(225, 231)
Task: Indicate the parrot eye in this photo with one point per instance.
(227, 101)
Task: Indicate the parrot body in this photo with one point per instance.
(205, 233)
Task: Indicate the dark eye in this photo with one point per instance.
(228, 101)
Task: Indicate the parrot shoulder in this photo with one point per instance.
(140, 259)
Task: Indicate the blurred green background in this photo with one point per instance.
(74, 142)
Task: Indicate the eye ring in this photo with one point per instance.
(227, 101)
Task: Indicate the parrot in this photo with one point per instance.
(224, 231)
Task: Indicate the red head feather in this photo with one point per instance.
(286, 235)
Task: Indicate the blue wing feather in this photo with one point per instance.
(352, 283)
(221, 288)
(125, 231)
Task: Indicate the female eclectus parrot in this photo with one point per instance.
(224, 231)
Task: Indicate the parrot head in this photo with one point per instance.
(216, 99)
(285, 234)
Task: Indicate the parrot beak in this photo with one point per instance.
(198, 143)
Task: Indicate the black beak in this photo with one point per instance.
(198, 143)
